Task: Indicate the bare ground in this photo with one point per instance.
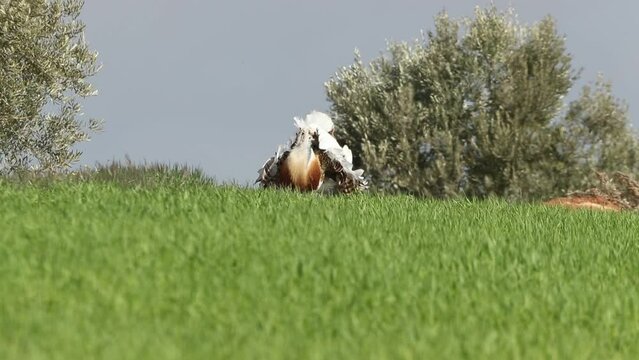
(616, 193)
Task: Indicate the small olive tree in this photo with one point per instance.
(476, 108)
(595, 137)
(44, 64)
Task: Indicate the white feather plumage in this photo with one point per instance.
(315, 120)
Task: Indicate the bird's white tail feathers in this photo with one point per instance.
(315, 120)
(323, 124)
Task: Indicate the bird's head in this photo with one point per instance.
(305, 137)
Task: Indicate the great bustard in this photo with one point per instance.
(313, 161)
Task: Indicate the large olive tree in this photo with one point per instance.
(477, 108)
(44, 64)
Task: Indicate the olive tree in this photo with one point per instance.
(44, 65)
(476, 107)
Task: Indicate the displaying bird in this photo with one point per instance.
(314, 161)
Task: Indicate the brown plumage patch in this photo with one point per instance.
(284, 175)
(315, 174)
(302, 177)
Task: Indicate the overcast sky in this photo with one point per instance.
(215, 83)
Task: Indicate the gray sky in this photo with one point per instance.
(216, 83)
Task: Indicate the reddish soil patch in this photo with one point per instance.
(586, 201)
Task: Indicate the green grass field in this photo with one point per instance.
(97, 270)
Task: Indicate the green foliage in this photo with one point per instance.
(44, 63)
(151, 175)
(476, 108)
(94, 270)
(121, 173)
(596, 137)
